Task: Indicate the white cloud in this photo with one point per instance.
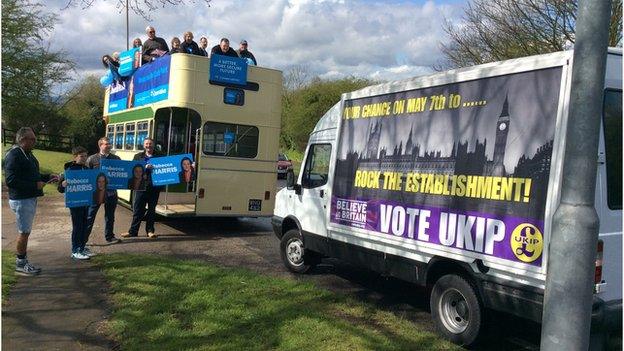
(332, 38)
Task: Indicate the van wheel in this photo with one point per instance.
(293, 252)
(456, 310)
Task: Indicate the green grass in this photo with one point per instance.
(49, 162)
(8, 272)
(168, 304)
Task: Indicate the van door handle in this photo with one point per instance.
(322, 193)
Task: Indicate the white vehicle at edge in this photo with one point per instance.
(492, 252)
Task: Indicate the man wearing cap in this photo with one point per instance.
(223, 49)
(244, 53)
(154, 46)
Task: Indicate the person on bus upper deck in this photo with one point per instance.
(203, 44)
(189, 46)
(137, 43)
(223, 49)
(112, 64)
(154, 46)
(175, 46)
(246, 54)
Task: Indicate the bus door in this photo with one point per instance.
(175, 133)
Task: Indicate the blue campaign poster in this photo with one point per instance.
(84, 187)
(129, 61)
(171, 169)
(228, 70)
(124, 174)
(118, 97)
(148, 84)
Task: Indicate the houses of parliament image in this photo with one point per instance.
(409, 156)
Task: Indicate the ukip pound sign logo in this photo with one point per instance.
(526, 242)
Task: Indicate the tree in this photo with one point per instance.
(493, 30)
(83, 109)
(140, 7)
(302, 108)
(30, 68)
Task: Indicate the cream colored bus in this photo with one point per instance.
(231, 130)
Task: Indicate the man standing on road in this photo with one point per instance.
(25, 185)
(110, 203)
(148, 197)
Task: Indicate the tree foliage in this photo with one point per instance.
(30, 68)
(140, 7)
(83, 109)
(302, 107)
(493, 30)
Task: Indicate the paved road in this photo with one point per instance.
(63, 309)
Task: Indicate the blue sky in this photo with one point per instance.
(382, 40)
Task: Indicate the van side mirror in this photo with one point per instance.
(290, 182)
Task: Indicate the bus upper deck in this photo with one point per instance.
(231, 128)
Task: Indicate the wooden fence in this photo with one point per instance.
(54, 142)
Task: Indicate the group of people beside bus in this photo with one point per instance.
(154, 47)
(25, 184)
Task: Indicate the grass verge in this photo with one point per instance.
(8, 272)
(168, 304)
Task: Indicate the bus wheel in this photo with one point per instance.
(456, 310)
(293, 252)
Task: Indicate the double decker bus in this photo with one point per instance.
(232, 130)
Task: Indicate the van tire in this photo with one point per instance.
(293, 252)
(456, 310)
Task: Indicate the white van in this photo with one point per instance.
(450, 181)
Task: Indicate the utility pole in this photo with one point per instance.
(127, 27)
(569, 283)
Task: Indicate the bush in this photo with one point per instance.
(302, 108)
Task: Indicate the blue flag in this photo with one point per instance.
(84, 188)
(124, 174)
(172, 169)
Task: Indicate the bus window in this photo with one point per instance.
(173, 142)
(119, 136)
(177, 137)
(230, 140)
(110, 132)
(142, 132)
(129, 144)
